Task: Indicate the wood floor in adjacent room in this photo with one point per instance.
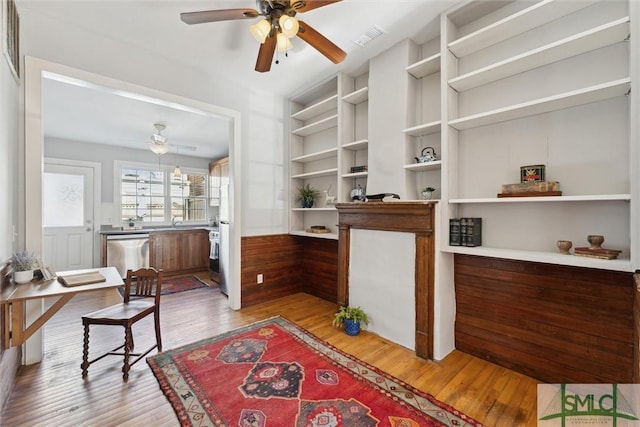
(53, 393)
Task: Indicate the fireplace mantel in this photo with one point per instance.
(408, 217)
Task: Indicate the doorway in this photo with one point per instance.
(37, 70)
(70, 193)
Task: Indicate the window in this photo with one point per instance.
(189, 197)
(142, 195)
(153, 194)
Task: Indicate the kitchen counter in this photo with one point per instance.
(113, 231)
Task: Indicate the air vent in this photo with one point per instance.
(369, 35)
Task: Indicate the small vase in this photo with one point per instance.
(23, 276)
(307, 203)
(351, 327)
(595, 241)
(426, 195)
(564, 246)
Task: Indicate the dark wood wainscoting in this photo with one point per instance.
(278, 258)
(556, 323)
(289, 264)
(320, 268)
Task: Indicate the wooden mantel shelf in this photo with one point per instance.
(415, 217)
(410, 217)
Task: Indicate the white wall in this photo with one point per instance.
(10, 169)
(388, 88)
(262, 135)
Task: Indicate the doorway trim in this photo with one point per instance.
(35, 70)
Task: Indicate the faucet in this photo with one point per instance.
(174, 221)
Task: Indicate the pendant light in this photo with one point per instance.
(177, 172)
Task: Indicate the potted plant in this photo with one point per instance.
(351, 318)
(427, 193)
(23, 264)
(307, 194)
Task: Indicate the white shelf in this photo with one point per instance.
(544, 257)
(315, 174)
(315, 127)
(357, 97)
(313, 209)
(420, 167)
(518, 23)
(316, 109)
(544, 105)
(331, 236)
(589, 198)
(426, 67)
(325, 154)
(424, 129)
(355, 175)
(593, 39)
(362, 144)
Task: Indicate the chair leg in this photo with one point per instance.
(85, 352)
(128, 339)
(156, 317)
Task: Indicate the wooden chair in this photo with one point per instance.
(140, 301)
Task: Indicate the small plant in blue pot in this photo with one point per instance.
(307, 195)
(351, 318)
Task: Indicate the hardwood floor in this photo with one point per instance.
(53, 393)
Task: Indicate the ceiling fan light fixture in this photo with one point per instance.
(289, 25)
(159, 149)
(158, 141)
(283, 42)
(260, 30)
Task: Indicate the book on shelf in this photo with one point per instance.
(473, 232)
(454, 232)
(465, 232)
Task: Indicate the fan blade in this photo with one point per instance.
(314, 4)
(321, 43)
(217, 15)
(265, 55)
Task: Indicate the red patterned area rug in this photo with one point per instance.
(274, 373)
(179, 284)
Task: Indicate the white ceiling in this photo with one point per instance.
(222, 47)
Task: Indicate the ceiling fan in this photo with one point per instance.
(276, 28)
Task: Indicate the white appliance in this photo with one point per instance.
(224, 229)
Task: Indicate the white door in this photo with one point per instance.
(68, 222)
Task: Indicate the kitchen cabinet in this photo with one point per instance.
(179, 251)
(218, 176)
(195, 249)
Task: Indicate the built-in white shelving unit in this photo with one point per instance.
(503, 85)
(425, 67)
(355, 133)
(512, 25)
(424, 94)
(531, 101)
(544, 105)
(314, 154)
(601, 36)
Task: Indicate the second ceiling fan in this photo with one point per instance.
(276, 28)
